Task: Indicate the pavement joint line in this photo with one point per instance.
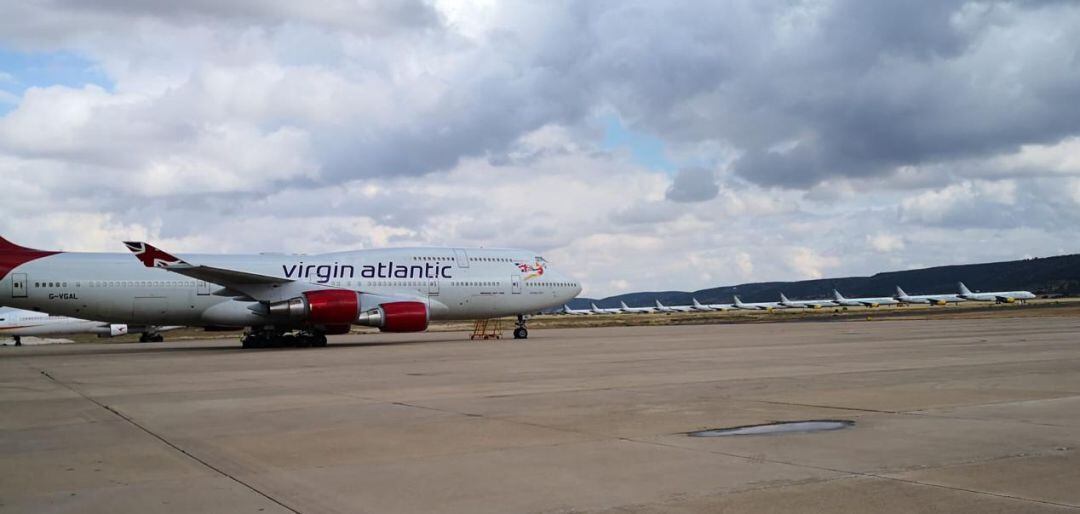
(974, 491)
(851, 473)
(924, 413)
(797, 404)
(167, 442)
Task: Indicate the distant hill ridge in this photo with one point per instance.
(1058, 275)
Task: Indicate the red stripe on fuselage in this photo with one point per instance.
(12, 256)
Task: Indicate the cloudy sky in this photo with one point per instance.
(645, 145)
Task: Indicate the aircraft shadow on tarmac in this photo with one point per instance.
(143, 348)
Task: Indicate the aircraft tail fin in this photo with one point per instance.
(784, 298)
(737, 300)
(623, 305)
(151, 256)
(837, 296)
(963, 289)
(697, 303)
(9, 247)
(900, 292)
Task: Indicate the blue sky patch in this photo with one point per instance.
(22, 70)
(648, 151)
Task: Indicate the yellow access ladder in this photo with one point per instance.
(487, 329)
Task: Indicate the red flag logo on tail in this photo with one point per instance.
(152, 257)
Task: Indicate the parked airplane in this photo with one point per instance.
(674, 308)
(759, 306)
(396, 290)
(18, 323)
(804, 304)
(635, 310)
(574, 312)
(698, 306)
(932, 299)
(996, 297)
(839, 299)
(597, 310)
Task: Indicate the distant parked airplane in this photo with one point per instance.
(862, 302)
(996, 297)
(574, 312)
(18, 323)
(636, 310)
(598, 310)
(674, 308)
(804, 304)
(698, 306)
(759, 306)
(931, 299)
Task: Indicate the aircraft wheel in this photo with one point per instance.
(255, 340)
(143, 338)
(521, 333)
(157, 338)
(18, 341)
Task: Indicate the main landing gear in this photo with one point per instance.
(18, 341)
(147, 337)
(521, 331)
(275, 339)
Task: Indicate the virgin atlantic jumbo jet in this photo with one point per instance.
(284, 298)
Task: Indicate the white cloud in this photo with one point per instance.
(809, 264)
(263, 126)
(885, 243)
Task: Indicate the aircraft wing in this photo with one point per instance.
(258, 287)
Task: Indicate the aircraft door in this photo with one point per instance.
(515, 284)
(18, 285)
(461, 258)
(433, 287)
(202, 288)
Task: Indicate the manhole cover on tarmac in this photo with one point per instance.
(780, 427)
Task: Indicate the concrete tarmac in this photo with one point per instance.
(950, 416)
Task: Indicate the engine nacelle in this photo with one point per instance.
(112, 330)
(326, 307)
(397, 317)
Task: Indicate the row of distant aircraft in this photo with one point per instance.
(838, 300)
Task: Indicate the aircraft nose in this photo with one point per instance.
(572, 291)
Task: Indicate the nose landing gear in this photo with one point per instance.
(521, 331)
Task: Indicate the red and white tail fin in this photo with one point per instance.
(9, 247)
(12, 256)
(151, 256)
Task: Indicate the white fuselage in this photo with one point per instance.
(863, 302)
(805, 304)
(999, 296)
(932, 299)
(15, 322)
(758, 306)
(453, 283)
